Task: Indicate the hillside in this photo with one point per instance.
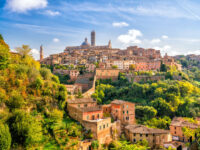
(32, 103)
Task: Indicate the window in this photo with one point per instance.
(127, 111)
(85, 105)
(140, 135)
(78, 105)
(99, 127)
(134, 134)
(175, 128)
(127, 106)
(175, 132)
(107, 124)
(87, 117)
(116, 110)
(123, 112)
(104, 126)
(98, 116)
(146, 135)
(134, 140)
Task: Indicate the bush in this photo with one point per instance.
(5, 137)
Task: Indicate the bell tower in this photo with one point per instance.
(41, 53)
(93, 38)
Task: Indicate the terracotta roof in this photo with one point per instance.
(182, 122)
(81, 100)
(145, 130)
(118, 102)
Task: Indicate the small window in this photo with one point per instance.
(146, 135)
(175, 128)
(99, 127)
(107, 124)
(126, 106)
(140, 135)
(123, 112)
(104, 126)
(116, 110)
(85, 105)
(134, 134)
(134, 140)
(127, 111)
(175, 132)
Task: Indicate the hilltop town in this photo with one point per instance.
(87, 63)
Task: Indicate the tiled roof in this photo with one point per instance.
(145, 130)
(118, 102)
(182, 122)
(81, 100)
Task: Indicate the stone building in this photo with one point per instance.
(176, 128)
(123, 111)
(155, 137)
(107, 73)
(91, 116)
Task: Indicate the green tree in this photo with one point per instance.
(145, 112)
(163, 67)
(1, 37)
(24, 51)
(95, 144)
(162, 107)
(4, 55)
(45, 73)
(5, 137)
(25, 129)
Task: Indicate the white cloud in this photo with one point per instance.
(56, 40)
(164, 48)
(120, 24)
(165, 37)
(52, 13)
(22, 6)
(35, 51)
(131, 37)
(155, 41)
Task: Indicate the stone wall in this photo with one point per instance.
(145, 78)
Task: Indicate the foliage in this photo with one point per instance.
(4, 54)
(145, 112)
(161, 123)
(5, 137)
(124, 145)
(25, 129)
(95, 144)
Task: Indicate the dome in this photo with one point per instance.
(85, 43)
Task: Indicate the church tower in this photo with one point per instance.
(109, 44)
(93, 38)
(41, 53)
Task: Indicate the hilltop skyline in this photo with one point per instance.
(171, 26)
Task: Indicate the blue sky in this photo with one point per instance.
(173, 26)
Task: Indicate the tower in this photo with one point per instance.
(109, 44)
(41, 53)
(93, 34)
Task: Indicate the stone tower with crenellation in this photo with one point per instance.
(93, 34)
(41, 53)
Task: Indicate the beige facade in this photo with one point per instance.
(155, 137)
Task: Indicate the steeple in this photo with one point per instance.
(41, 53)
